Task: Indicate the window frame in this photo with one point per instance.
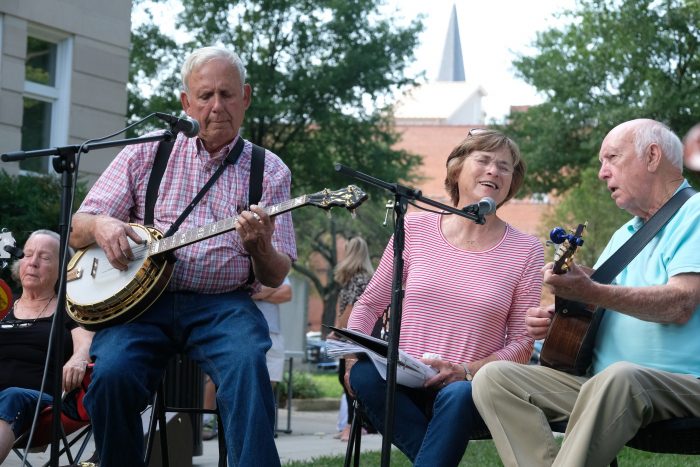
(59, 95)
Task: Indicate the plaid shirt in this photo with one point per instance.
(215, 265)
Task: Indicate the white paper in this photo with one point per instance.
(410, 372)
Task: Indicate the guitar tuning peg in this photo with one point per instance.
(389, 206)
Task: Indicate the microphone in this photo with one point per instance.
(188, 126)
(484, 207)
(14, 251)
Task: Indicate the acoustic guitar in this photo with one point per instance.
(569, 343)
(99, 296)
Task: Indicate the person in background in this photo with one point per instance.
(207, 311)
(353, 273)
(691, 148)
(467, 287)
(24, 340)
(268, 300)
(646, 356)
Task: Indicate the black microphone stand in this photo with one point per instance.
(65, 164)
(402, 195)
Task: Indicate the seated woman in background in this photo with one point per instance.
(24, 340)
(467, 287)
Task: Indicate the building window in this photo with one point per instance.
(40, 66)
(46, 95)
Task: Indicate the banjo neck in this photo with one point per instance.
(182, 239)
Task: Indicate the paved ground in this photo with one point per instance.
(311, 437)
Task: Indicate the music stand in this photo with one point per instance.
(65, 164)
(402, 195)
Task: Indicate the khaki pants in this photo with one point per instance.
(604, 412)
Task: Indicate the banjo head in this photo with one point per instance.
(97, 292)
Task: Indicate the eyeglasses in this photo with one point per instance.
(477, 131)
(502, 166)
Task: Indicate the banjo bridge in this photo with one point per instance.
(95, 263)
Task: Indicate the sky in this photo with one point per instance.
(492, 32)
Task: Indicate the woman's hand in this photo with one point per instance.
(73, 373)
(537, 321)
(447, 373)
(349, 362)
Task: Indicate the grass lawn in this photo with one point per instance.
(483, 454)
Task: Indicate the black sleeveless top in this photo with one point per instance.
(23, 347)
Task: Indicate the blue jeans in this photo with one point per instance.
(428, 439)
(17, 407)
(225, 334)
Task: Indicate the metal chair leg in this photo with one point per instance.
(355, 437)
(158, 419)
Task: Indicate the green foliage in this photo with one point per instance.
(590, 202)
(303, 387)
(615, 60)
(320, 73)
(31, 203)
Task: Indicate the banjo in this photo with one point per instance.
(99, 295)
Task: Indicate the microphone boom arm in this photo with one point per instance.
(410, 193)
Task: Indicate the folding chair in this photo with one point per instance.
(74, 421)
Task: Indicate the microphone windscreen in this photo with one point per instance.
(487, 206)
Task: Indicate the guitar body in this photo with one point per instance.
(98, 295)
(569, 343)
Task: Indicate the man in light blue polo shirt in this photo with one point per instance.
(646, 360)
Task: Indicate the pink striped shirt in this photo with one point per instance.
(218, 264)
(463, 305)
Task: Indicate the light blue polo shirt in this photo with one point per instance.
(674, 250)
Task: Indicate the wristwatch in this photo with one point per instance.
(467, 374)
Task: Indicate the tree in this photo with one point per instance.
(314, 67)
(615, 60)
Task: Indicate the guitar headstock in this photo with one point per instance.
(349, 197)
(6, 240)
(568, 243)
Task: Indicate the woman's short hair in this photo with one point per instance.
(204, 54)
(483, 139)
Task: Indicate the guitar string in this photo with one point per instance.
(144, 248)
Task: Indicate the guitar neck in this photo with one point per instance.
(181, 239)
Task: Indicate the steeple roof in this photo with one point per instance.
(452, 65)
